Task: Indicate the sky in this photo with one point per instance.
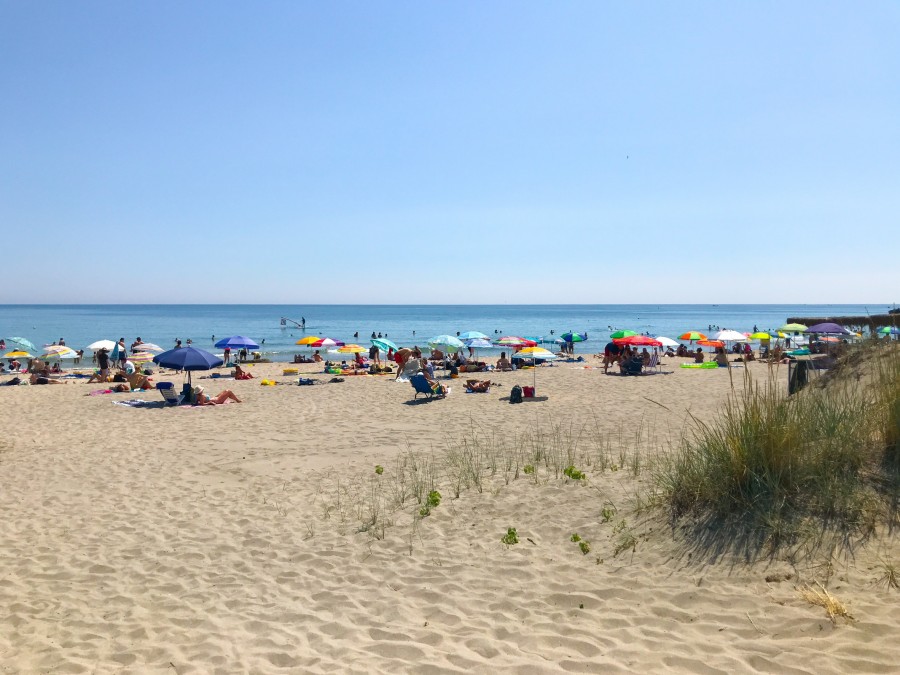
(466, 152)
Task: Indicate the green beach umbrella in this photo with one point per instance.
(792, 328)
(622, 334)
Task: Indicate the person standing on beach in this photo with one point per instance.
(123, 353)
(103, 363)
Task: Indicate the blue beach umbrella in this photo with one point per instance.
(384, 344)
(574, 337)
(237, 342)
(476, 343)
(22, 342)
(472, 335)
(189, 359)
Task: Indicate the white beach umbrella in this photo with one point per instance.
(730, 336)
(102, 344)
(666, 342)
(148, 347)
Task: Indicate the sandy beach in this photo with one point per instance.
(260, 537)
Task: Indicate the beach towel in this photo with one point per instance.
(137, 403)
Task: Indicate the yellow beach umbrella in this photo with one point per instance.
(760, 336)
(352, 349)
(308, 340)
(18, 354)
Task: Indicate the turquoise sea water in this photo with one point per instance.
(404, 324)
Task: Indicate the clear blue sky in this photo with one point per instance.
(316, 152)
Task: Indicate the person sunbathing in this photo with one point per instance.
(438, 388)
(139, 381)
(478, 385)
(43, 379)
(699, 356)
(504, 363)
(241, 374)
(218, 399)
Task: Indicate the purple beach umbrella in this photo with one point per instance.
(827, 328)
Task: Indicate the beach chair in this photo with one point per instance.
(167, 389)
(420, 384)
(632, 367)
(654, 366)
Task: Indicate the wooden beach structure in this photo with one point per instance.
(871, 321)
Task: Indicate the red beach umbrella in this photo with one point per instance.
(638, 341)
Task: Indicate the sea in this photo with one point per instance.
(278, 327)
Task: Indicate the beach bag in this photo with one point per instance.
(515, 395)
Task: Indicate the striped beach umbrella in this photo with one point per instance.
(327, 342)
(691, 336)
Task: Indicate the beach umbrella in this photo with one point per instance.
(692, 335)
(384, 344)
(308, 340)
(451, 343)
(638, 341)
(792, 328)
(109, 345)
(538, 354)
(477, 343)
(828, 328)
(760, 335)
(188, 359)
(141, 357)
(666, 342)
(237, 342)
(619, 334)
(711, 343)
(889, 330)
(574, 337)
(730, 336)
(17, 354)
(327, 342)
(352, 349)
(514, 341)
(22, 342)
(148, 347)
(59, 352)
(472, 335)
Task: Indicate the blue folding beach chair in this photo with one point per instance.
(420, 384)
(167, 389)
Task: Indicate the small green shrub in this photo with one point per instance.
(379, 469)
(573, 473)
(511, 537)
(528, 469)
(585, 547)
(575, 538)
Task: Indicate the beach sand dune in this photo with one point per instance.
(257, 537)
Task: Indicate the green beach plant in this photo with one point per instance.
(511, 537)
(770, 462)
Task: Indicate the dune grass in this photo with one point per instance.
(773, 463)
